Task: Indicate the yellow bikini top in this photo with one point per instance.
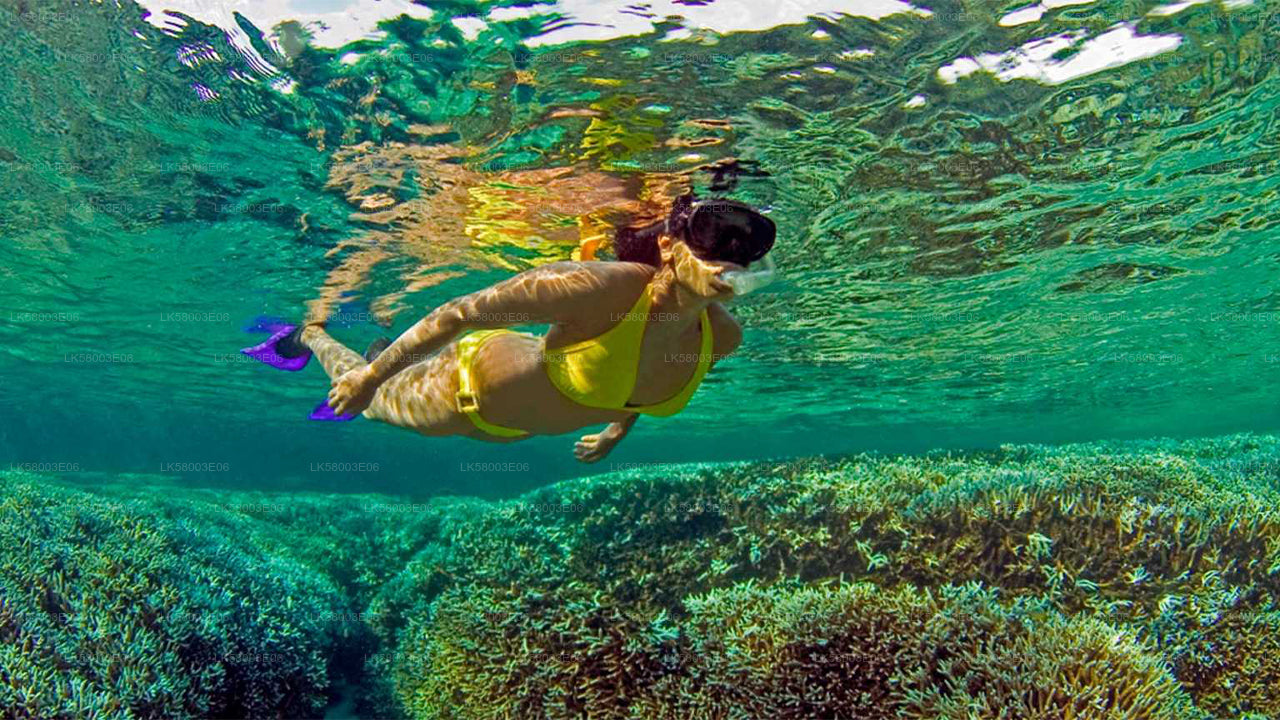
(601, 372)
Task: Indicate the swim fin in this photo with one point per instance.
(283, 350)
(324, 413)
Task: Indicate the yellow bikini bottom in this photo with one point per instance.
(468, 404)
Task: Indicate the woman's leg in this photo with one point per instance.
(333, 355)
(420, 397)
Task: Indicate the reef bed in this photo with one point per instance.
(1109, 580)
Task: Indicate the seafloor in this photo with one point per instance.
(1116, 580)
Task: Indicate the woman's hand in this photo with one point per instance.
(353, 391)
(593, 448)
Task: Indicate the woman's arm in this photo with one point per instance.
(551, 294)
(555, 294)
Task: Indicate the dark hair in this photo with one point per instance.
(721, 230)
(640, 244)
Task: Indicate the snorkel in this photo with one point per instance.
(757, 275)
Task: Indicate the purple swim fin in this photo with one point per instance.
(324, 413)
(283, 350)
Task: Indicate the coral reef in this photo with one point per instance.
(1153, 561)
(859, 651)
(358, 541)
(110, 609)
(1233, 664)
(1111, 580)
(845, 650)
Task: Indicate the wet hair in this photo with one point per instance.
(717, 237)
(639, 244)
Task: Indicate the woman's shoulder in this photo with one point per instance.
(602, 269)
(605, 290)
(610, 280)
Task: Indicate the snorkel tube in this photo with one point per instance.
(757, 275)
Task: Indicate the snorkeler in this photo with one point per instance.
(627, 338)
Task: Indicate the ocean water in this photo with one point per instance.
(1002, 228)
(1074, 246)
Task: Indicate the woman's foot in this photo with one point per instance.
(284, 350)
(291, 345)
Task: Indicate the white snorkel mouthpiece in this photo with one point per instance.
(757, 275)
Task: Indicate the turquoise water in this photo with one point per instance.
(1002, 227)
(1075, 246)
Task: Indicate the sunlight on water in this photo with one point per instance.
(1001, 227)
(1034, 222)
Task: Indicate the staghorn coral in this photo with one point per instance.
(1098, 581)
(862, 651)
(1028, 661)
(1115, 534)
(109, 609)
(494, 653)
(797, 652)
(358, 541)
(791, 653)
(1232, 664)
(1151, 539)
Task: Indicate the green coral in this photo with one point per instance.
(362, 543)
(525, 654)
(1031, 662)
(849, 650)
(863, 651)
(1159, 541)
(1232, 665)
(795, 653)
(109, 609)
(359, 541)
(1113, 580)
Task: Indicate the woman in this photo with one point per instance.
(627, 338)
